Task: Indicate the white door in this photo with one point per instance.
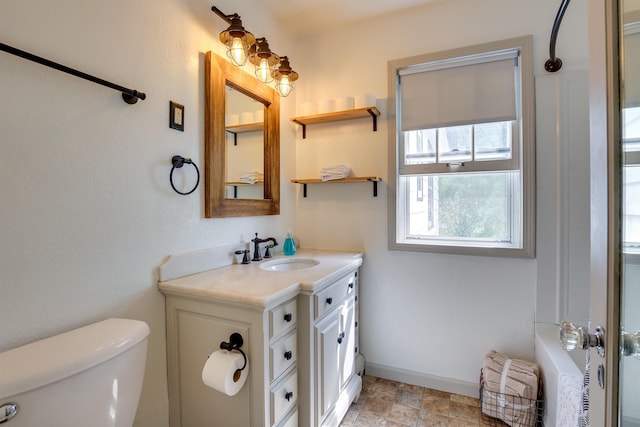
(615, 207)
(327, 336)
(347, 341)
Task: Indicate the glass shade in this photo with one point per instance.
(284, 77)
(238, 41)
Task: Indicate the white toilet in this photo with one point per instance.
(87, 377)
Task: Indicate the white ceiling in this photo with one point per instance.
(309, 16)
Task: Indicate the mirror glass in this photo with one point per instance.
(242, 142)
(244, 165)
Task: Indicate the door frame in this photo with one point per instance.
(604, 110)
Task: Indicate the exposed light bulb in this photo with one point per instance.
(237, 52)
(263, 71)
(284, 85)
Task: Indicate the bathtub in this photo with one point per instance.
(561, 375)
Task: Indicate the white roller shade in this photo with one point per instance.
(452, 93)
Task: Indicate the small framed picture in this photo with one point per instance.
(176, 116)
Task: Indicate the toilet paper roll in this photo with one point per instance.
(326, 106)
(232, 119)
(365, 100)
(221, 372)
(246, 118)
(258, 115)
(345, 103)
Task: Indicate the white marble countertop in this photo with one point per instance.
(251, 285)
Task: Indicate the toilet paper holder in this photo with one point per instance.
(235, 342)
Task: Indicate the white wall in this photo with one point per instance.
(426, 317)
(87, 212)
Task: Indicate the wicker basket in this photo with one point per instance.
(500, 409)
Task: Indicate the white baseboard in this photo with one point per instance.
(416, 378)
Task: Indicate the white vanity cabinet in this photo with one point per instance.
(300, 332)
(195, 329)
(328, 342)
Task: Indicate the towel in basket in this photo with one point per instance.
(510, 389)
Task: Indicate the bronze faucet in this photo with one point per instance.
(256, 247)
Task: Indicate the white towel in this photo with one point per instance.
(251, 177)
(334, 172)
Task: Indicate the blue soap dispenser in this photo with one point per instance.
(289, 247)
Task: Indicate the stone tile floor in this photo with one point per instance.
(392, 404)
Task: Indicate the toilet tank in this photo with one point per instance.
(90, 376)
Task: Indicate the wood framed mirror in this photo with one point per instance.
(222, 181)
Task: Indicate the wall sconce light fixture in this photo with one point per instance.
(285, 77)
(264, 60)
(236, 38)
(242, 45)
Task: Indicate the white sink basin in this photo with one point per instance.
(288, 264)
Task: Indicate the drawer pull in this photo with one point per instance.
(288, 395)
(288, 355)
(288, 317)
(329, 300)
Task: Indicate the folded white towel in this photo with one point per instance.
(334, 172)
(251, 177)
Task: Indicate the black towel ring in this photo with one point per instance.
(178, 162)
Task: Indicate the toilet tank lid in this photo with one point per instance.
(51, 359)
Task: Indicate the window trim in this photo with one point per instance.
(527, 146)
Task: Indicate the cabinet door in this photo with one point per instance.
(347, 341)
(327, 335)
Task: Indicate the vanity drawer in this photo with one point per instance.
(329, 297)
(283, 397)
(292, 421)
(282, 317)
(283, 354)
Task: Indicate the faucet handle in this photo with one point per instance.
(245, 258)
(267, 251)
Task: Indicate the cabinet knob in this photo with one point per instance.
(288, 355)
(288, 395)
(329, 300)
(288, 317)
(350, 285)
(340, 337)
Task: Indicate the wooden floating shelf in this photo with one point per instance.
(249, 127)
(373, 179)
(236, 184)
(358, 113)
(243, 183)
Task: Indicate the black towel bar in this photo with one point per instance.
(553, 64)
(130, 96)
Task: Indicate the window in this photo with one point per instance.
(463, 151)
